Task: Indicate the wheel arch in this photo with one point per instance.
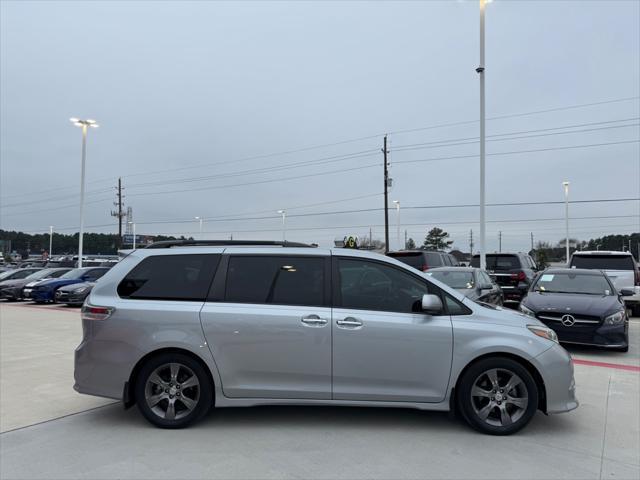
(128, 394)
(542, 393)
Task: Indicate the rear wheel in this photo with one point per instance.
(173, 390)
(497, 396)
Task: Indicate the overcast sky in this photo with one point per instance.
(212, 109)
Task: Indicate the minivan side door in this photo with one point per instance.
(267, 324)
(384, 347)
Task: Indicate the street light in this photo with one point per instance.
(84, 124)
(200, 219)
(397, 203)
(50, 239)
(480, 70)
(566, 215)
(284, 224)
(133, 243)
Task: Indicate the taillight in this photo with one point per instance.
(90, 312)
(425, 267)
(638, 278)
(520, 276)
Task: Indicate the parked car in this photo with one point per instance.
(74, 294)
(423, 260)
(16, 274)
(514, 272)
(184, 325)
(621, 268)
(13, 289)
(473, 283)
(581, 306)
(45, 290)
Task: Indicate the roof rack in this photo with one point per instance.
(223, 243)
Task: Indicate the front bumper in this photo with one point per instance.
(556, 368)
(608, 336)
(10, 293)
(41, 295)
(70, 298)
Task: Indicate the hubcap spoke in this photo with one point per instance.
(175, 368)
(484, 412)
(192, 381)
(493, 377)
(480, 392)
(513, 382)
(170, 414)
(155, 399)
(155, 378)
(505, 418)
(187, 402)
(518, 402)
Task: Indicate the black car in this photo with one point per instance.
(423, 260)
(514, 272)
(75, 294)
(473, 283)
(582, 306)
(12, 289)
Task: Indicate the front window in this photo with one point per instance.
(455, 279)
(573, 283)
(74, 274)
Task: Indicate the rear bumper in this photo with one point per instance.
(556, 368)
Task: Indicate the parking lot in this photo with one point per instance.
(50, 431)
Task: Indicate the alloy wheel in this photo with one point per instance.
(499, 397)
(172, 391)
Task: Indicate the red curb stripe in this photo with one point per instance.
(42, 308)
(616, 366)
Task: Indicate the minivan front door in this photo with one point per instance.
(384, 347)
(269, 330)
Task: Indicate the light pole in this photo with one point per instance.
(480, 70)
(566, 215)
(84, 124)
(50, 239)
(397, 203)
(284, 224)
(200, 219)
(133, 242)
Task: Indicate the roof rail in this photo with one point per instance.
(224, 243)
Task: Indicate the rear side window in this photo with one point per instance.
(170, 277)
(603, 262)
(275, 280)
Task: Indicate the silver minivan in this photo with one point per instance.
(184, 325)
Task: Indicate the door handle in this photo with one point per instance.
(349, 322)
(314, 321)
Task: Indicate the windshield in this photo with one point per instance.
(573, 283)
(460, 280)
(73, 274)
(6, 274)
(39, 274)
(603, 262)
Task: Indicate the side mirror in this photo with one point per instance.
(626, 292)
(431, 304)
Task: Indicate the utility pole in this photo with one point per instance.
(386, 199)
(500, 241)
(531, 241)
(370, 238)
(119, 214)
(470, 244)
(405, 239)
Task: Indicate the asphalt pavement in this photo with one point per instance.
(50, 431)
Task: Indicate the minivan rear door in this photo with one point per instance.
(267, 324)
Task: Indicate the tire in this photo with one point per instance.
(482, 410)
(157, 382)
(635, 310)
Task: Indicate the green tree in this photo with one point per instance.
(411, 244)
(437, 239)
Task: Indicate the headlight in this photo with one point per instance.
(615, 319)
(543, 332)
(527, 311)
(81, 290)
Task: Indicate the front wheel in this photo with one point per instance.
(497, 396)
(173, 390)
